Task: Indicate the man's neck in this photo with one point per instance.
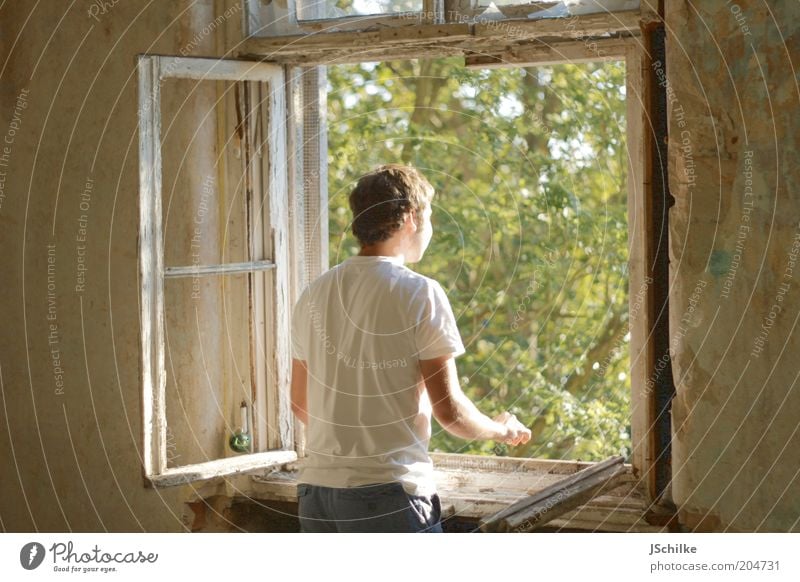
(381, 251)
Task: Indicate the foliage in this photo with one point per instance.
(530, 231)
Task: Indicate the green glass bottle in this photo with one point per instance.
(241, 440)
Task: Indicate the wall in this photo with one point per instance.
(69, 342)
(69, 358)
(734, 245)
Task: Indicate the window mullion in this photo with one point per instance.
(223, 269)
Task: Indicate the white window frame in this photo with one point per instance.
(270, 305)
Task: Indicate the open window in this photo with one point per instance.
(481, 484)
(539, 230)
(530, 239)
(214, 268)
(473, 485)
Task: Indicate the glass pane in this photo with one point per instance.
(203, 191)
(338, 8)
(207, 361)
(521, 9)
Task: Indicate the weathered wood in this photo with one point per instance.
(514, 465)
(556, 488)
(278, 188)
(484, 489)
(151, 268)
(433, 10)
(151, 257)
(221, 467)
(212, 69)
(602, 525)
(295, 147)
(583, 26)
(639, 280)
(433, 40)
(529, 514)
(538, 54)
(337, 40)
(255, 150)
(366, 54)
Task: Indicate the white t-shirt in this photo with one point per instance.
(362, 328)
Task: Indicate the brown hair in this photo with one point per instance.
(381, 199)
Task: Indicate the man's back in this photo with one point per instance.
(362, 328)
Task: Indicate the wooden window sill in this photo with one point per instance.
(474, 487)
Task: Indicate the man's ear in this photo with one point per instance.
(409, 221)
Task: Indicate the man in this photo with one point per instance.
(373, 347)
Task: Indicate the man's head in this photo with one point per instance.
(391, 204)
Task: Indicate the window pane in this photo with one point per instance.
(203, 199)
(339, 8)
(208, 367)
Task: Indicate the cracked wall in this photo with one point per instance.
(735, 267)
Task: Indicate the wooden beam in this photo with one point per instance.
(639, 280)
(541, 53)
(151, 265)
(222, 467)
(560, 485)
(491, 463)
(555, 500)
(353, 39)
(295, 145)
(213, 69)
(278, 213)
(578, 26)
(434, 40)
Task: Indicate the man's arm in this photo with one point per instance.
(457, 414)
(300, 390)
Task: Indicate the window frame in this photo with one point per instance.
(269, 304)
(640, 277)
(592, 37)
(517, 42)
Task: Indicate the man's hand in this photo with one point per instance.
(457, 414)
(518, 434)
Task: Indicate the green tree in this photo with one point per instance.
(530, 231)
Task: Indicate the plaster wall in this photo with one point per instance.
(70, 426)
(735, 275)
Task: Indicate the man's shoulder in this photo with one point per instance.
(416, 283)
(397, 277)
(413, 276)
(322, 279)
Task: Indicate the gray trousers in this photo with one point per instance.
(381, 507)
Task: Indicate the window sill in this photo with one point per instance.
(474, 487)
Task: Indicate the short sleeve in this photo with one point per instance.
(436, 331)
(299, 327)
